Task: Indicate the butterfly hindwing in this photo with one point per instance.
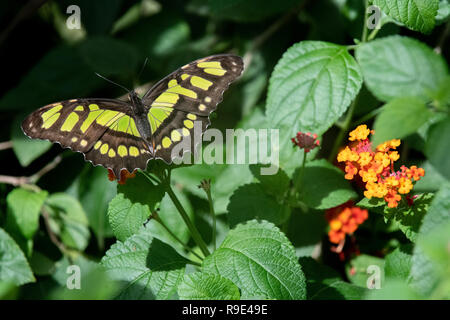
(102, 129)
(186, 96)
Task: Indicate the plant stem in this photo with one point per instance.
(296, 188)
(373, 34)
(364, 31)
(193, 230)
(158, 219)
(299, 178)
(343, 131)
(213, 216)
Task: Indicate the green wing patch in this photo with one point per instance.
(188, 95)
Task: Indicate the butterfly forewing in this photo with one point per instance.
(186, 96)
(102, 129)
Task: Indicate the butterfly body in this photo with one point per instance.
(127, 134)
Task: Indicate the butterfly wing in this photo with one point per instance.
(103, 130)
(185, 96)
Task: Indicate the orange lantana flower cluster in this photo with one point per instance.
(376, 167)
(344, 219)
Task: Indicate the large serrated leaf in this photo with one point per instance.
(13, 264)
(260, 260)
(150, 268)
(311, 87)
(205, 286)
(417, 15)
(409, 218)
(395, 65)
(125, 217)
(251, 202)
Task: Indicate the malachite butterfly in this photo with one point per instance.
(123, 135)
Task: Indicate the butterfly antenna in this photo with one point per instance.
(119, 85)
(143, 67)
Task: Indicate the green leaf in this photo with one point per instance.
(125, 217)
(437, 145)
(93, 280)
(225, 179)
(275, 184)
(205, 286)
(68, 220)
(396, 121)
(159, 37)
(358, 269)
(329, 189)
(441, 96)
(418, 15)
(13, 264)
(41, 264)
(443, 12)
(26, 149)
(395, 65)
(24, 208)
(310, 88)
(141, 190)
(371, 203)
(393, 289)
(409, 218)
(258, 258)
(109, 56)
(150, 268)
(425, 273)
(251, 202)
(248, 10)
(432, 180)
(324, 283)
(95, 192)
(434, 246)
(398, 263)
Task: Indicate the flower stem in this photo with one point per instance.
(343, 131)
(213, 216)
(364, 31)
(193, 230)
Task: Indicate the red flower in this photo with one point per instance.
(306, 141)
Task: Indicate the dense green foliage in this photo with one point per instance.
(310, 66)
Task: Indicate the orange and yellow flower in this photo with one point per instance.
(376, 167)
(343, 220)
